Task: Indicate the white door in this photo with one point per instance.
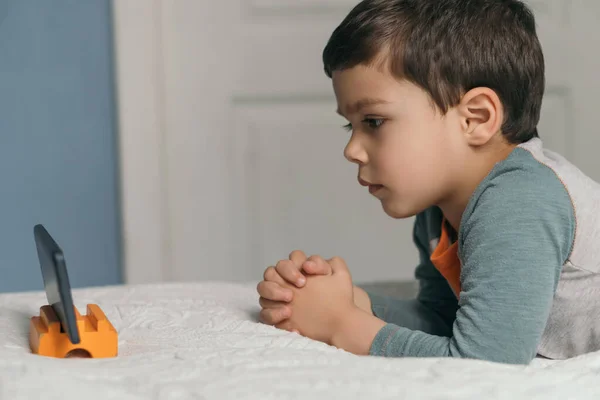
(232, 152)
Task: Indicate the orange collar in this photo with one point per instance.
(446, 261)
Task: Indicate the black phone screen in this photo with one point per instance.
(56, 281)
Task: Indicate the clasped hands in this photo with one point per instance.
(313, 297)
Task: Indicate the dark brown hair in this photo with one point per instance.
(448, 47)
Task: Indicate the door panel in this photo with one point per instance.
(246, 102)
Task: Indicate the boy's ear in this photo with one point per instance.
(481, 115)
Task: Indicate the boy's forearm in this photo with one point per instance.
(357, 332)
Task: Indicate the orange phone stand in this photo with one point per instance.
(98, 337)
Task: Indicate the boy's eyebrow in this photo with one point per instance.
(362, 103)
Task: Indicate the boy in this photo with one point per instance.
(443, 98)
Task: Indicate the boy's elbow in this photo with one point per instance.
(496, 355)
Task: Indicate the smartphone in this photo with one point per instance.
(56, 281)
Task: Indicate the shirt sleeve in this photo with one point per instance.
(434, 309)
(514, 240)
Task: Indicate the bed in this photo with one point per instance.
(203, 341)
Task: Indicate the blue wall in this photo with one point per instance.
(58, 157)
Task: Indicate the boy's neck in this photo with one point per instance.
(482, 162)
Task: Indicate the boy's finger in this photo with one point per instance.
(273, 291)
(266, 303)
(273, 316)
(297, 257)
(316, 265)
(271, 275)
(287, 326)
(288, 271)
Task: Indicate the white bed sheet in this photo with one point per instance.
(202, 341)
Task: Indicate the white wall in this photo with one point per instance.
(141, 100)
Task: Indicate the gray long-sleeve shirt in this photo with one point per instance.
(527, 279)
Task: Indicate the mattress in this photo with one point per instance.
(203, 341)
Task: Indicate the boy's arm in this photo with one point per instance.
(514, 246)
(434, 309)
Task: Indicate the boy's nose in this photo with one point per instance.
(355, 152)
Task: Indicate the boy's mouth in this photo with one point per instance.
(372, 187)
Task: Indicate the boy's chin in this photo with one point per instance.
(399, 211)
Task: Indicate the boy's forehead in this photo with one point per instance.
(360, 86)
(355, 107)
(362, 77)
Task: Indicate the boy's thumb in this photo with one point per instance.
(338, 265)
(316, 265)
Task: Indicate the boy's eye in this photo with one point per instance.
(373, 123)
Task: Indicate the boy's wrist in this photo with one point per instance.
(356, 331)
(362, 300)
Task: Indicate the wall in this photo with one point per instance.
(57, 140)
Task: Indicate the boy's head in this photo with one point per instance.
(430, 85)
